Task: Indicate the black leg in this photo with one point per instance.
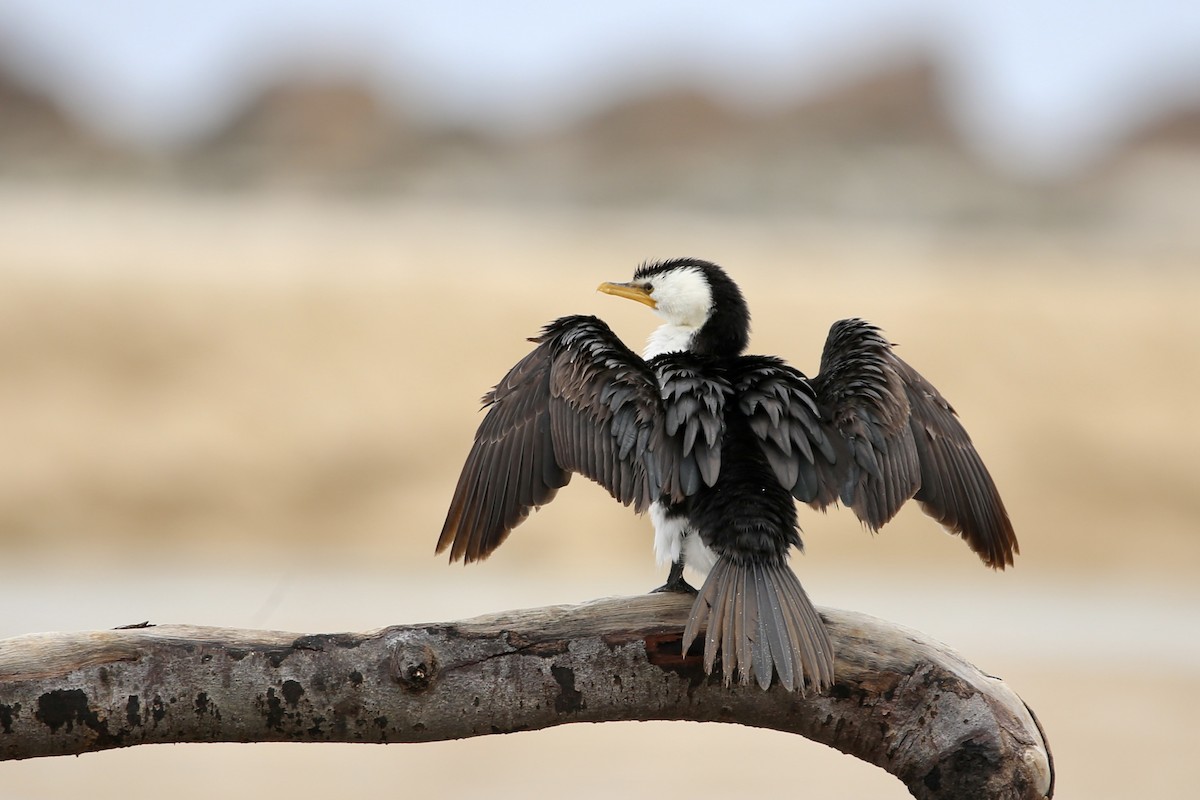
(675, 581)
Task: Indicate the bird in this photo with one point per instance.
(718, 445)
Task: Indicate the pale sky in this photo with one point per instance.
(1033, 84)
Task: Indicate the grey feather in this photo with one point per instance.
(580, 402)
(757, 616)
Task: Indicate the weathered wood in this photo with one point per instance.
(901, 701)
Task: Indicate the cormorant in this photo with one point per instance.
(715, 444)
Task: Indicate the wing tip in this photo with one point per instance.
(1003, 548)
(983, 523)
(467, 546)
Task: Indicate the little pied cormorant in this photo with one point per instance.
(716, 444)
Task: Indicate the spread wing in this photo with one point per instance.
(956, 488)
(870, 432)
(863, 400)
(579, 402)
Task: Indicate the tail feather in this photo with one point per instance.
(715, 606)
(794, 630)
(761, 620)
(747, 621)
(814, 641)
(760, 645)
(774, 633)
(728, 626)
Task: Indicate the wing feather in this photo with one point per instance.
(694, 391)
(580, 402)
(956, 488)
(863, 400)
(870, 432)
(906, 442)
(780, 405)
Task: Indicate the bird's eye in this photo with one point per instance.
(649, 287)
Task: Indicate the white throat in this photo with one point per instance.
(669, 338)
(684, 299)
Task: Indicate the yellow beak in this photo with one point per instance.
(628, 290)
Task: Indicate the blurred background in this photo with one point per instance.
(259, 260)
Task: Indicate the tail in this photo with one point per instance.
(760, 617)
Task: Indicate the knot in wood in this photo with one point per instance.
(413, 665)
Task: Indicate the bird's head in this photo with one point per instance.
(692, 294)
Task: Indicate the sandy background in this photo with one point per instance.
(251, 411)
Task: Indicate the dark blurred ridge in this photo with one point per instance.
(880, 151)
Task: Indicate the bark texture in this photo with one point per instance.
(900, 701)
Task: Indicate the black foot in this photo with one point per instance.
(678, 587)
(675, 582)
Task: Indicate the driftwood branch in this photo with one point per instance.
(901, 701)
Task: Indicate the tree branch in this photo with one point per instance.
(901, 701)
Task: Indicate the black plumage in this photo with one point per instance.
(722, 442)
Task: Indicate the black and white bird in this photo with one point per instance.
(715, 444)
